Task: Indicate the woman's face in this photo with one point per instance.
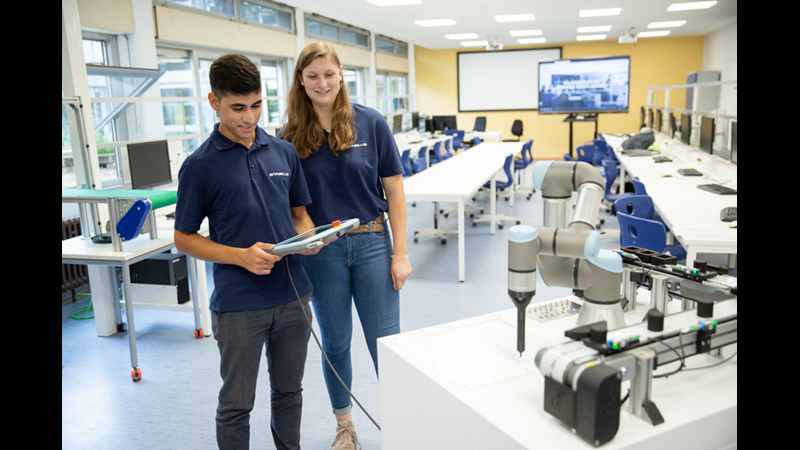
(322, 80)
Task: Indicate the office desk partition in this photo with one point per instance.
(690, 213)
(457, 179)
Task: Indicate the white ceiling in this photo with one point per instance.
(558, 19)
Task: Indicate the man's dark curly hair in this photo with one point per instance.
(234, 74)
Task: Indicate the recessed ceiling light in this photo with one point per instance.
(515, 18)
(461, 36)
(676, 23)
(394, 2)
(475, 43)
(435, 22)
(532, 40)
(690, 6)
(599, 29)
(600, 12)
(518, 33)
(592, 37)
(653, 33)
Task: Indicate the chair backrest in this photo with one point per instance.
(406, 160)
(640, 232)
(516, 128)
(586, 153)
(611, 174)
(480, 124)
(437, 154)
(636, 205)
(509, 178)
(476, 141)
(638, 186)
(599, 155)
(527, 154)
(421, 162)
(567, 157)
(447, 153)
(458, 141)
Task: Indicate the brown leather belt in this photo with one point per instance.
(373, 226)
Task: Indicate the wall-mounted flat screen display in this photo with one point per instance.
(584, 86)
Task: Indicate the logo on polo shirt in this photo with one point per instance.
(279, 174)
(364, 144)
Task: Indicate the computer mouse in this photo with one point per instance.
(734, 224)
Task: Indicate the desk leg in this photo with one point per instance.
(136, 374)
(462, 271)
(193, 275)
(493, 200)
(202, 290)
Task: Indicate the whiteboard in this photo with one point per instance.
(504, 80)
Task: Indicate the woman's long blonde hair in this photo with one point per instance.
(301, 123)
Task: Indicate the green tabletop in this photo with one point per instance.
(159, 199)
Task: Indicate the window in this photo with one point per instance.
(261, 13)
(179, 117)
(272, 86)
(390, 45)
(354, 80)
(392, 91)
(335, 31)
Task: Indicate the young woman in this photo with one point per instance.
(353, 170)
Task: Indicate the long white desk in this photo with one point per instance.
(415, 141)
(457, 179)
(690, 213)
(463, 385)
(497, 136)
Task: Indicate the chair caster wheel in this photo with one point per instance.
(444, 241)
(136, 374)
(474, 224)
(446, 215)
(198, 334)
(500, 226)
(416, 241)
(518, 222)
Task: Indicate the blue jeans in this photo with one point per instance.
(241, 337)
(357, 267)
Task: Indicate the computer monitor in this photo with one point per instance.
(659, 120)
(650, 122)
(686, 128)
(149, 164)
(734, 145)
(428, 125)
(414, 120)
(673, 127)
(707, 134)
(398, 124)
(444, 123)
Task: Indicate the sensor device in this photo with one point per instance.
(323, 234)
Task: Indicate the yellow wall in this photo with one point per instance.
(655, 62)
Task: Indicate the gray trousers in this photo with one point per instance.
(241, 337)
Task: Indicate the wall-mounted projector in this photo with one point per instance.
(494, 45)
(628, 38)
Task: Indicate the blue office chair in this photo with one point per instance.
(476, 141)
(437, 157)
(447, 153)
(499, 186)
(599, 154)
(647, 234)
(638, 186)
(421, 162)
(520, 166)
(612, 171)
(480, 124)
(405, 159)
(586, 153)
(567, 157)
(636, 205)
(458, 139)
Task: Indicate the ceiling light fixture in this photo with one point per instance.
(690, 6)
(600, 12)
(532, 40)
(461, 36)
(435, 22)
(519, 33)
(653, 33)
(598, 29)
(515, 18)
(591, 37)
(475, 43)
(676, 23)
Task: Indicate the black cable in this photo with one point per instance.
(286, 263)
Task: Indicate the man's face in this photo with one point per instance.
(238, 115)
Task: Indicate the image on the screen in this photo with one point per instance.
(584, 86)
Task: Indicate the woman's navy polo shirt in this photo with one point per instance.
(246, 195)
(349, 185)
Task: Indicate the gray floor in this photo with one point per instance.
(173, 406)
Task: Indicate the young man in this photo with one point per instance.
(251, 188)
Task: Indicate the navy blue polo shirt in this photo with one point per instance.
(349, 186)
(246, 195)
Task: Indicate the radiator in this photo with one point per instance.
(73, 276)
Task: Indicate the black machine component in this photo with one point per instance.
(167, 269)
(639, 141)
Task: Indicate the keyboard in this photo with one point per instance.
(661, 159)
(728, 214)
(690, 173)
(717, 189)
